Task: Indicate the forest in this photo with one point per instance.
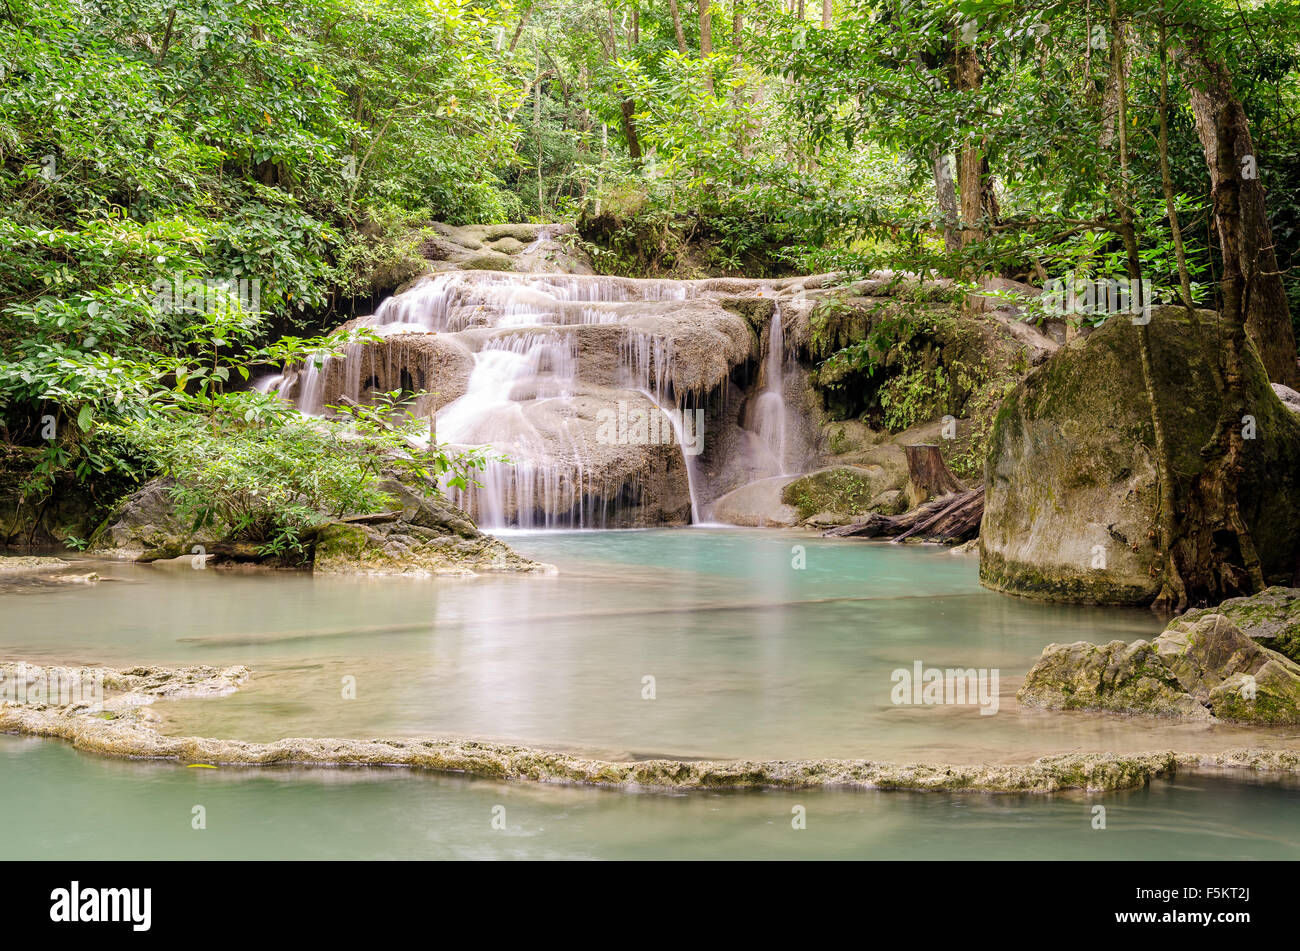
(196, 196)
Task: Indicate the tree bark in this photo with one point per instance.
(949, 518)
(627, 107)
(706, 42)
(738, 64)
(945, 193)
(677, 26)
(1215, 551)
(1268, 316)
(826, 14)
(928, 475)
(1172, 591)
(974, 182)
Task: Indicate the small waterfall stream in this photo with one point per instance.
(770, 410)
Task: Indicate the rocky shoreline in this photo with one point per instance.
(1236, 662)
(120, 724)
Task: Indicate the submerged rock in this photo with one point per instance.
(42, 570)
(123, 726)
(1197, 669)
(12, 564)
(1071, 483)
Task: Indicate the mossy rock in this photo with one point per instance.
(1196, 669)
(1116, 677)
(1071, 485)
(843, 490)
(487, 262)
(1272, 617)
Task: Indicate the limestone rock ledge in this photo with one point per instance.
(127, 731)
(1200, 668)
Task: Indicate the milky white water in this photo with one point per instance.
(56, 803)
(750, 656)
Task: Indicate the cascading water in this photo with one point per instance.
(771, 414)
(542, 371)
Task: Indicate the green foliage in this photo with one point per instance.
(256, 471)
(914, 394)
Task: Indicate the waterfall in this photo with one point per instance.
(532, 368)
(770, 410)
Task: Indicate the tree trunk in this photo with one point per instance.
(1268, 317)
(628, 108)
(928, 475)
(1215, 551)
(677, 26)
(519, 30)
(974, 182)
(738, 64)
(945, 193)
(1172, 592)
(826, 14)
(706, 41)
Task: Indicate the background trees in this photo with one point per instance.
(301, 145)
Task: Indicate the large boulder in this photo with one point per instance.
(1198, 669)
(1117, 677)
(144, 526)
(1071, 482)
(1271, 617)
(756, 505)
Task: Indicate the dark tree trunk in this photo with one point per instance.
(1214, 549)
(928, 475)
(979, 206)
(629, 129)
(1268, 317)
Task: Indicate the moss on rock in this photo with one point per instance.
(1272, 617)
(843, 491)
(1071, 483)
(1195, 669)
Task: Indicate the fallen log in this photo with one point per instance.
(949, 518)
(956, 521)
